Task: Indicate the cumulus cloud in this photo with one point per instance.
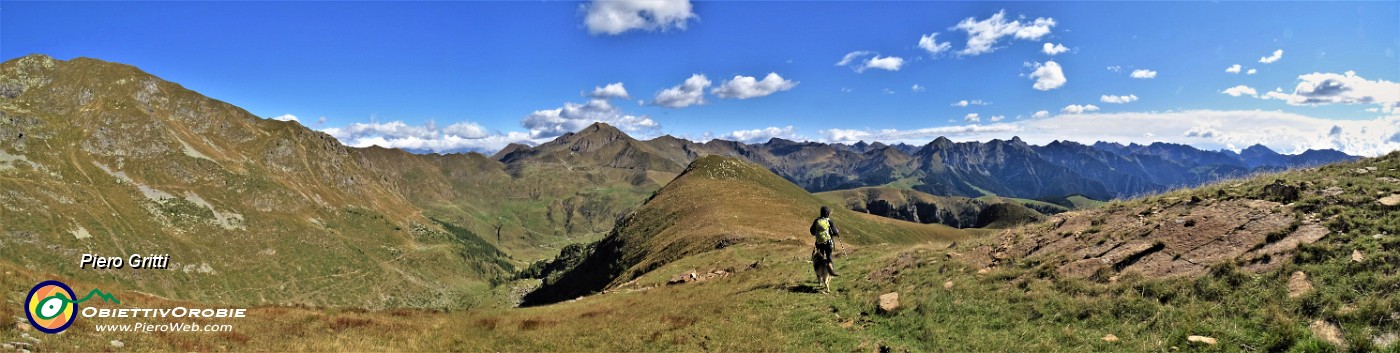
(1234, 69)
(1078, 109)
(462, 136)
(915, 136)
(285, 117)
(871, 60)
(1041, 114)
(1251, 72)
(964, 103)
(1053, 49)
(1144, 74)
(1211, 130)
(972, 118)
(1118, 99)
(1278, 54)
(1048, 76)
(982, 36)
(745, 87)
(612, 90)
(575, 116)
(762, 135)
(688, 93)
(997, 118)
(917, 88)
(614, 17)
(891, 63)
(1344, 88)
(1205, 129)
(1240, 90)
(932, 45)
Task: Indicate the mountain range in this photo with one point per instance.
(96, 153)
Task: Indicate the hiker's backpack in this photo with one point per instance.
(822, 230)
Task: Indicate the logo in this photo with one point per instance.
(52, 306)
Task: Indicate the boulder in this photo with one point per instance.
(1110, 338)
(1390, 201)
(1357, 256)
(889, 302)
(1281, 192)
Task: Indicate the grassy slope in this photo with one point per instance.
(967, 212)
(718, 202)
(104, 158)
(767, 308)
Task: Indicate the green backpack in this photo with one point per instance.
(822, 230)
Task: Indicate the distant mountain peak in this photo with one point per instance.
(601, 128)
(941, 142)
(1260, 148)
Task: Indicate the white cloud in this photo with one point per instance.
(846, 90)
(852, 56)
(997, 118)
(1240, 90)
(972, 118)
(745, 87)
(1115, 68)
(1211, 130)
(917, 88)
(983, 35)
(1251, 72)
(1205, 129)
(889, 91)
(1118, 99)
(1144, 74)
(1234, 69)
(1048, 76)
(462, 136)
(614, 17)
(1278, 54)
(875, 61)
(688, 93)
(764, 134)
(915, 136)
(932, 45)
(1345, 88)
(964, 103)
(1079, 109)
(1053, 49)
(1041, 114)
(891, 63)
(285, 117)
(612, 90)
(574, 117)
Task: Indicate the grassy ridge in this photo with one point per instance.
(719, 202)
(766, 303)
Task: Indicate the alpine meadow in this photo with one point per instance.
(677, 175)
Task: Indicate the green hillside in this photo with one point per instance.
(715, 203)
(955, 211)
(103, 158)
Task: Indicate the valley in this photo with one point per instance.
(599, 241)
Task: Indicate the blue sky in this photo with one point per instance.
(451, 76)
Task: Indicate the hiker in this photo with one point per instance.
(825, 232)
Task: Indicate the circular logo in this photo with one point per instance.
(51, 307)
